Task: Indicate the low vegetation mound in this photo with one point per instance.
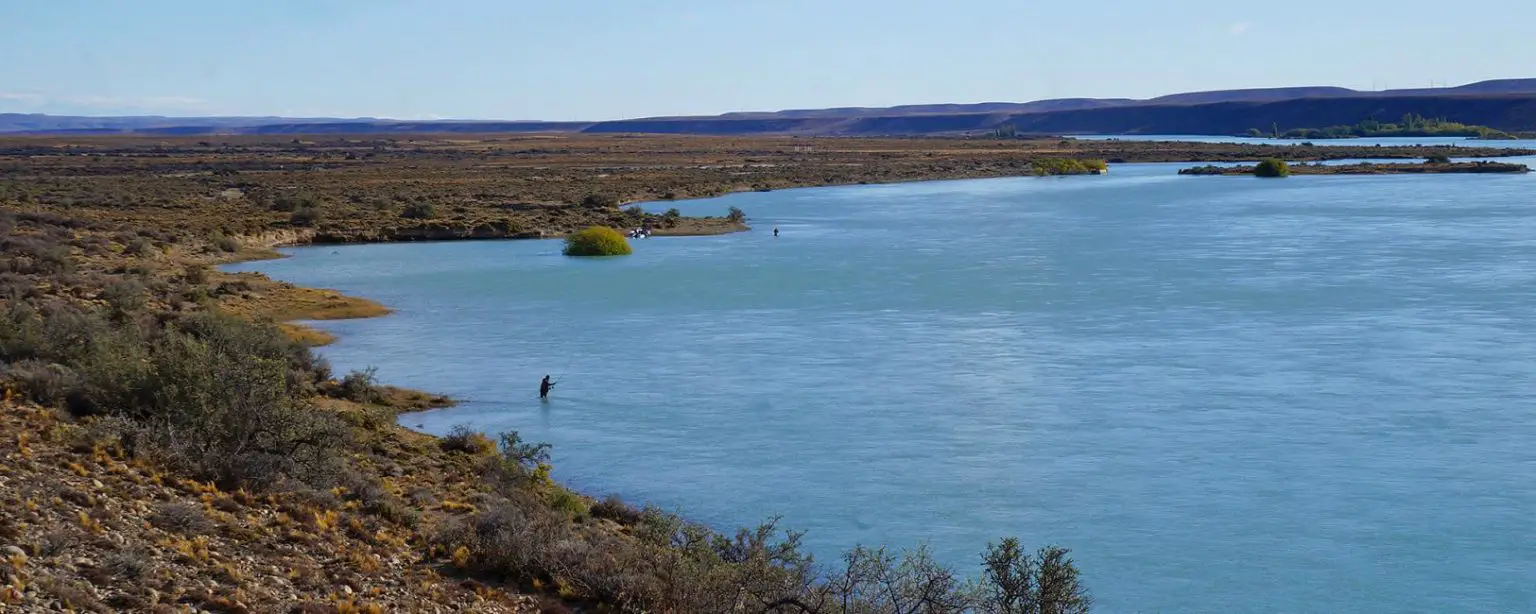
(597, 241)
(1272, 167)
(1068, 166)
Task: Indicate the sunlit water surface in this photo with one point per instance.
(1224, 394)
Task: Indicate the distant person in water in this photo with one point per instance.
(544, 387)
(775, 231)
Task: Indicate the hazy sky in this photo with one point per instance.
(603, 59)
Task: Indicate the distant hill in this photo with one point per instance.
(1252, 95)
(1505, 104)
(1510, 113)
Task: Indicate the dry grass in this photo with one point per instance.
(369, 188)
(143, 541)
(283, 302)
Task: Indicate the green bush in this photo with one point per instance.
(1272, 167)
(218, 398)
(360, 387)
(597, 241)
(563, 500)
(124, 296)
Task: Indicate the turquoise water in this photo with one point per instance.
(1224, 394)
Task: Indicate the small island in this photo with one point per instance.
(1367, 168)
(1411, 125)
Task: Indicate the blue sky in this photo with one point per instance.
(603, 59)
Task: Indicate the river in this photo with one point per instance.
(1224, 394)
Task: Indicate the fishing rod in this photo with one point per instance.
(561, 373)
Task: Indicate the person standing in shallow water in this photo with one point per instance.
(775, 231)
(544, 387)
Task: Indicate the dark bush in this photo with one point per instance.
(511, 540)
(127, 564)
(124, 296)
(305, 217)
(613, 508)
(1013, 581)
(224, 243)
(294, 202)
(600, 201)
(181, 518)
(195, 274)
(44, 383)
(35, 255)
(216, 397)
(1438, 159)
(736, 215)
(56, 542)
(222, 416)
(94, 245)
(360, 387)
(17, 287)
(139, 246)
(461, 439)
(39, 219)
(419, 211)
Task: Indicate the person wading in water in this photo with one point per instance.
(544, 387)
